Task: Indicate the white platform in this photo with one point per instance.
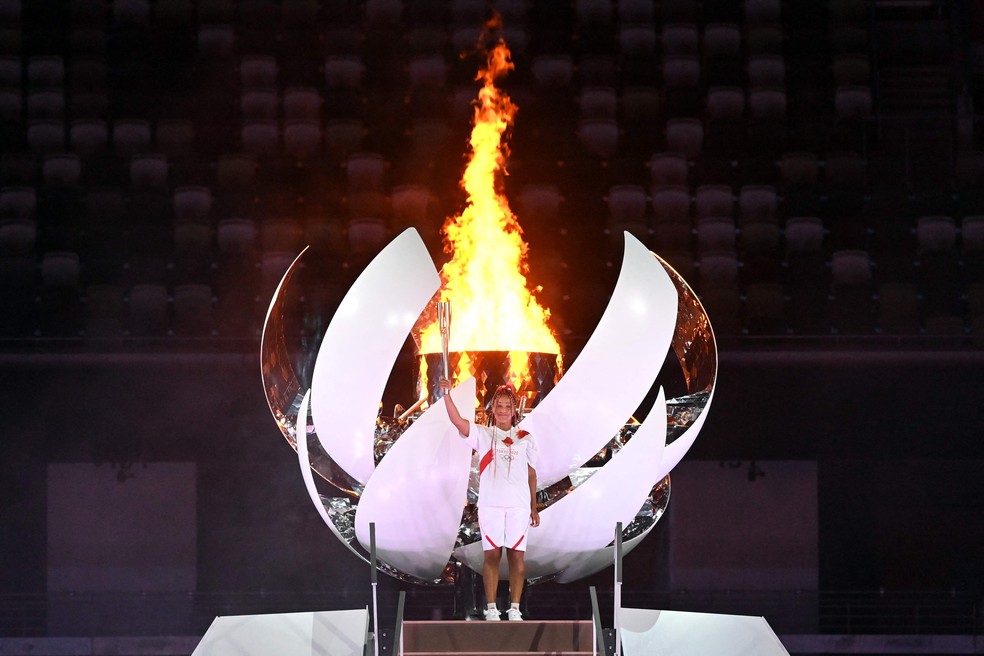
(677, 633)
(338, 633)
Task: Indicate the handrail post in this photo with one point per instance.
(373, 580)
(617, 618)
(398, 629)
(597, 633)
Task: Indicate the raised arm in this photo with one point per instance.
(459, 422)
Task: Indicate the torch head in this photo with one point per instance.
(444, 317)
(444, 323)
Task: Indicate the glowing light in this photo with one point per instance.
(493, 307)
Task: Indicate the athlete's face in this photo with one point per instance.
(503, 410)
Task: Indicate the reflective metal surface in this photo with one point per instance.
(696, 350)
(282, 369)
(287, 363)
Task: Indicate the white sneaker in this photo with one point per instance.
(514, 615)
(492, 615)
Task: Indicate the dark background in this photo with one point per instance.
(136, 266)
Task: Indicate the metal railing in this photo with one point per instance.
(398, 628)
(617, 602)
(374, 582)
(597, 630)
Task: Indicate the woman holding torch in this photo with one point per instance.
(506, 482)
(506, 492)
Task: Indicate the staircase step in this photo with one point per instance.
(489, 652)
(555, 637)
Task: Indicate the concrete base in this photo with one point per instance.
(340, 633)
(677, 633)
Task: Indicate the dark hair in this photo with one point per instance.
(505, 390)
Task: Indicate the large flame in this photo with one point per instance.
(493, 308)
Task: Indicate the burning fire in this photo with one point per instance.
(492, 307)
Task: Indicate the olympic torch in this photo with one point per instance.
(444, 323)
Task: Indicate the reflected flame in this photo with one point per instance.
(492, 307)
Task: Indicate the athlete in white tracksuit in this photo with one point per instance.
(506, 492)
